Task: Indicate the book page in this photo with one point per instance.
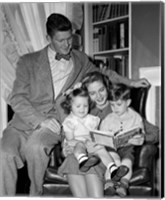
(121, 140)
(108, 139)
(103, 138)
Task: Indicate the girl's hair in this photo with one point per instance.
(96, 76)
(66, 105)
(119, 92)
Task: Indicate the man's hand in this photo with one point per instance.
(143, 82)
(137, 140)
(52, 124)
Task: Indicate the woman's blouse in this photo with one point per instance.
(101, 113)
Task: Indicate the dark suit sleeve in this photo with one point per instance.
(113, 76)
(116, 78)
(20, 97)
(152, 132)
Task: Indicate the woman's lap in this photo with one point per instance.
(71, 166)
(88, 185)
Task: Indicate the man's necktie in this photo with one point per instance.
(60, 56)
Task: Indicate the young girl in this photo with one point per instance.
(77, 126)
(122, 119)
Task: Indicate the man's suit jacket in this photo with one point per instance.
(32, 96)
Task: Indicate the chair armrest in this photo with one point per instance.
(144, 164)
(140, 176)
(57, 157)
(51, 175)
(138, 100)
(144, 156)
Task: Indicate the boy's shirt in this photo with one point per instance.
(131, 119)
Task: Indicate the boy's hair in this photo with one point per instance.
(57, 22)
(66, 105)
(120, 92)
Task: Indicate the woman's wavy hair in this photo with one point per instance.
(67, 103)
(96, 76)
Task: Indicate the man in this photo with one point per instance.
(41, 79)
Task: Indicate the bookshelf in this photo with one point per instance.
(107, 38)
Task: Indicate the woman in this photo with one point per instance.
(91, 184)
(98, 91)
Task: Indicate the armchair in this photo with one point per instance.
(142, 182)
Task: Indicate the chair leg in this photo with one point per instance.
(23, 182)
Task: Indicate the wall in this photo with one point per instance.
(145, 35)
(153, 75)
(146, 53)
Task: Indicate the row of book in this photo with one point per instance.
(110, 36)
(104, 11)
(118, 63)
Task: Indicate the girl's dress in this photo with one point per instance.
(70, 164)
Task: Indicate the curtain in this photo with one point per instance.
(22, 30)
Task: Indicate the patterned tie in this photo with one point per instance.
(60, 56)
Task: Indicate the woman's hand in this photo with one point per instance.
(92, 146)
(137, 140)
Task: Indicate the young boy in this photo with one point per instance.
(122, 119)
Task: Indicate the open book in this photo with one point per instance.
(114, 140)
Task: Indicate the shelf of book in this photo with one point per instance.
(121, 51)
(111, 35)
(104, 11)
(108, 26)
(110, 20)
(116, 62)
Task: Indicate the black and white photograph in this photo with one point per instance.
(81, 99)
